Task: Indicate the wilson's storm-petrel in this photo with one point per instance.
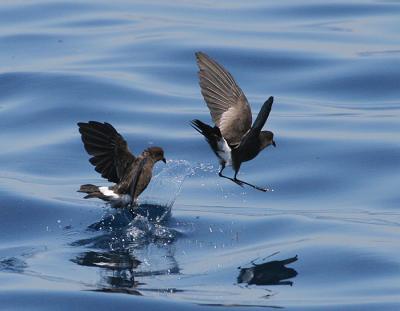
(233, 139)
(114, 161)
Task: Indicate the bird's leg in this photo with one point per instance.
(241, 182)
(222, 168)
(223, 176)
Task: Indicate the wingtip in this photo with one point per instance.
(201, 56)
(87, 123)
(198, 54)
(95, 123)
(270, 100)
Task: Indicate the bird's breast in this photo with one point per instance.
(144, 178)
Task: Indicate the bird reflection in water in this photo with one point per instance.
(120, 270)
(268, 273)
(121, 242)
(121, 264)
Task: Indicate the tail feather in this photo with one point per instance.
(211, 134)
(88, 188)
(93, 191)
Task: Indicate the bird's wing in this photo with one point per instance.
(109, 149)
(262, 115)
(228, 105)
(258, 124)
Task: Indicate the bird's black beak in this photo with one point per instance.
(273, 143)
(165, 161)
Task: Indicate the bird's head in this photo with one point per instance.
(156, 153)
(266, 139)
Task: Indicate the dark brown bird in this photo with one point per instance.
(114, 161)
(233, 139)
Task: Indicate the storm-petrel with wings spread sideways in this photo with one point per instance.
(114, 161)
(233, 139)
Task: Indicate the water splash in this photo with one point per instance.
(141, 231)
(166, 186)
(122, 232)
(154, 209)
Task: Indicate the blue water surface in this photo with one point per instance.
(333, 69)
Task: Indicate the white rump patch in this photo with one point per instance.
(224, 151)
(109, 193)
(116, 199)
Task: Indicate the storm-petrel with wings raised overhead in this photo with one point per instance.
(112, 158)
(233, 138)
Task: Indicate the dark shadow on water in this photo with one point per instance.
(268, 273)
(120, 266)
(119, 271)
(113, 260)
(13, 264)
